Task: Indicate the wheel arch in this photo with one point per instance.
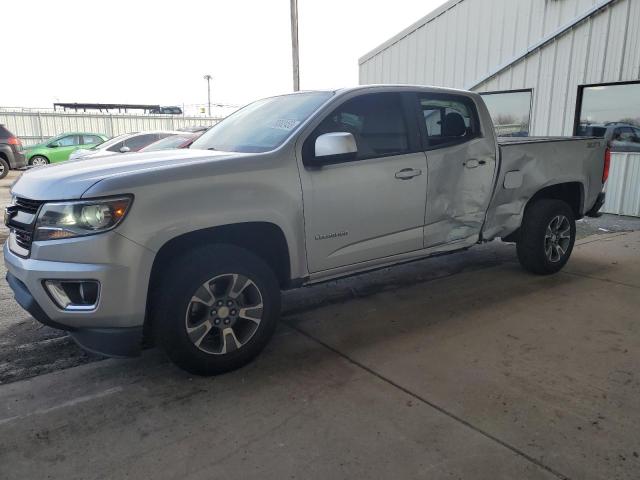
(36, 154)
(264, 239)
(571, 192)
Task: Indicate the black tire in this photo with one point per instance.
(40, 158)
(534, 244)
(4, 168)
(173, 304)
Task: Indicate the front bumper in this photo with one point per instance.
(113, 342)
(121, 266)
(19, 160)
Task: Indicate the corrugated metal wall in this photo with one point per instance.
(468, 39)
(33, 127)
(466, 44)
(623, 186)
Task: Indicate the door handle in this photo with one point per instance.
(408, 173)
(474, 163)
(471, 163)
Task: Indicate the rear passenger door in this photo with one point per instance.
(461, 164)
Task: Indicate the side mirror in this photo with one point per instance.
(53, 145)
(335, 147)
(124, 149)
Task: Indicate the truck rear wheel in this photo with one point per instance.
(216, 309)
(546, 236)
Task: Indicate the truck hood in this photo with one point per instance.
(69, 180)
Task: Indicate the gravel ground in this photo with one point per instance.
(28, 348)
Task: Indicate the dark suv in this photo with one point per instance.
(11, 152)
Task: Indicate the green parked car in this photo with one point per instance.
(58, 149)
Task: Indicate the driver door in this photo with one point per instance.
(370, 207)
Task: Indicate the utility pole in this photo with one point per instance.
(294, 45)
(208, 79)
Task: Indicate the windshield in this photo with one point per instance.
(174, 141)
(110, 142)
(263, 125)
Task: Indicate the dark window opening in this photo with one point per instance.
(448, 120)
(376, 121)
(510, 112)
(612, 112)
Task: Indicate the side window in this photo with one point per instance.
(116, 147)
(90, 140)
(140, 141)
(375, 120)
(627, 134)
(68, 141)
(617, 133)
(448, 120)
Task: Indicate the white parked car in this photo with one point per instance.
(129, 142)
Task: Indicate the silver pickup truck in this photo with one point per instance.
(191, 248)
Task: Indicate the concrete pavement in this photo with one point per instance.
(487, 374)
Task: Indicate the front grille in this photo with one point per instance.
(22, 221)
(26, 205)
(24, 238)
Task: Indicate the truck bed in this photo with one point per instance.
(529, 164)
(525, 140)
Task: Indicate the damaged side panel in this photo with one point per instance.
(460, 185)
(531, 165)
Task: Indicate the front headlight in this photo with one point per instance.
(83, 217)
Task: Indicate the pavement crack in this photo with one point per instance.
(431, 404)
(600, 279)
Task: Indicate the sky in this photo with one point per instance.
(157, 52)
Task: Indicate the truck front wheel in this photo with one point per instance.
(216, 309)
(546, 236)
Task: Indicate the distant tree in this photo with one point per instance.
(505, 119)
(632, 121)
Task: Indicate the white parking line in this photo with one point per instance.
(69, 403)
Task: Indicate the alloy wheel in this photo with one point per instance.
(224, 313)
(557, 238)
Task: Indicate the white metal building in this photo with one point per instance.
(547, 67)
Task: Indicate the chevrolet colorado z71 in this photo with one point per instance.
(192, 247)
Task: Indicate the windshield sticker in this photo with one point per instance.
(285, 124)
